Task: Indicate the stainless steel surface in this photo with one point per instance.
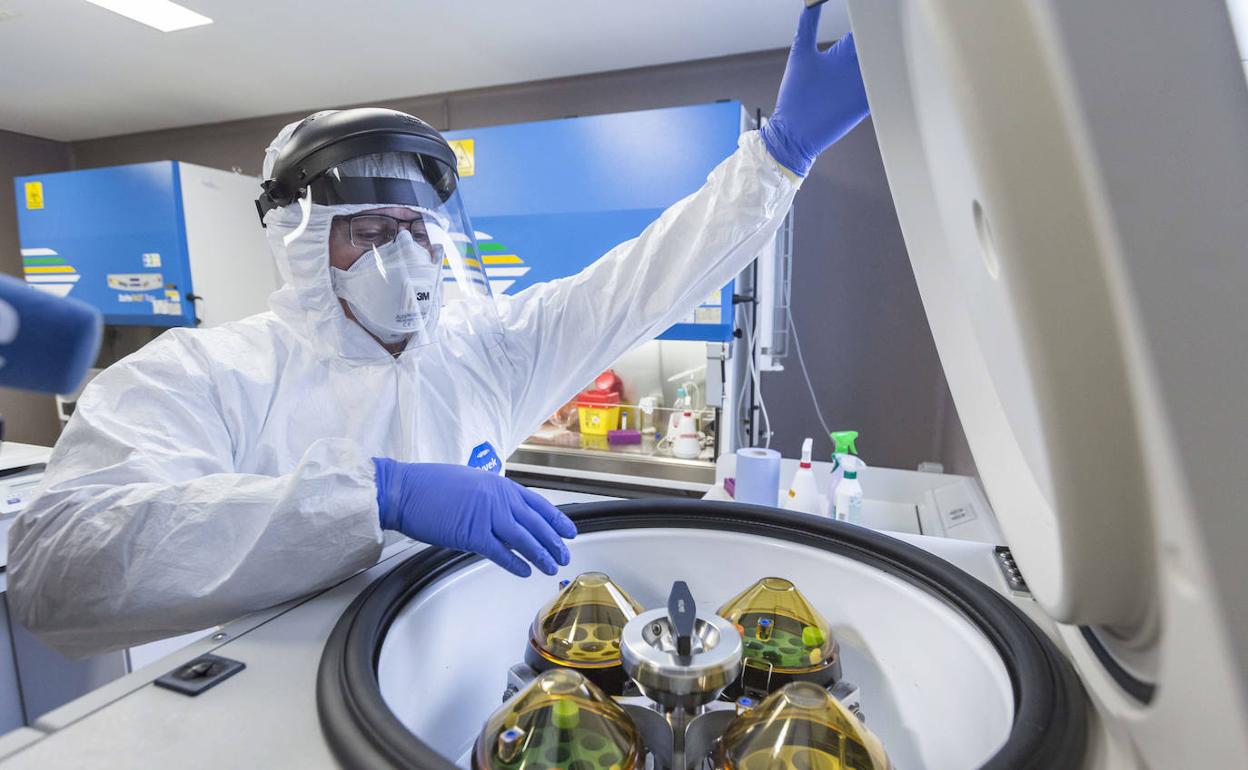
(702, 732)
(656, 731)
(660, 634)
(643, 467)
(679, 740)
(680, 682)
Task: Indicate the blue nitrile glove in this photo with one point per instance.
(821, 97)
(472, 510)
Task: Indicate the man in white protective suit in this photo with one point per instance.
(220, 471)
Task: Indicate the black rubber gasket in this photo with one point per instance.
(1137, 688)
(1050, 710)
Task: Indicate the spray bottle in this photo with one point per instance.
(848, 498)
(803, 491)
(843, 447)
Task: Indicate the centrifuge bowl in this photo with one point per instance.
(952, 674)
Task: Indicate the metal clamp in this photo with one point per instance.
(1009, 568)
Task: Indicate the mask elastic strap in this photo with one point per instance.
(305, 205)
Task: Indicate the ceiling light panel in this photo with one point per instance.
(164, 15)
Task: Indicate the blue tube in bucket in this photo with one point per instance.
(758, 476)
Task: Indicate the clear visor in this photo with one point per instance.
(403, 257)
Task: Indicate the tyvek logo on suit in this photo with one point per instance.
(484, 456)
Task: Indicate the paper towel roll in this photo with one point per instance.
(758, 476)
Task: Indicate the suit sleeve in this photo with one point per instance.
(563, 333)
(142, 528)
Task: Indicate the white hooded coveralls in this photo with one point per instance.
(220, 471)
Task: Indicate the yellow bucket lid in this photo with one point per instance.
(581, 626)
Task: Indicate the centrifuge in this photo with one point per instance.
(899, 638)
(1071, 179)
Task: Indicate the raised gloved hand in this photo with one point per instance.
(821, 98)
(472, 510)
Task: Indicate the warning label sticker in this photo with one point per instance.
(465, 155)
(34, 195)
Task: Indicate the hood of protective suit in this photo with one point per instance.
(298, 235)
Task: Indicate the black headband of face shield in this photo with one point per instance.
(380, 191)
(331, 189)
(325, 141)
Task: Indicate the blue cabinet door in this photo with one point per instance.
(113, 237)
(549, 198)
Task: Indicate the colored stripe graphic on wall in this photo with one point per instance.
(48, 271)
(501, 270)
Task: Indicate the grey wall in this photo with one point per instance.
(28, 417)
(857, 309)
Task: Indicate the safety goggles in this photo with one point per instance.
(371, 231)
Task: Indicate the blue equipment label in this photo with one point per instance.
(484, 457)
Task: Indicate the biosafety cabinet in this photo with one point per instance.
(548, 199)
(158, 244)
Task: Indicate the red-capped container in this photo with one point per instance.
(599, 412)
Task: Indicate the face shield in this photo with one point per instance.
(401, 247)
(380, 239)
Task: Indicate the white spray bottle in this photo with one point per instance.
(803, 491)
(848, 499)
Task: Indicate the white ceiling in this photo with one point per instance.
(71, 70)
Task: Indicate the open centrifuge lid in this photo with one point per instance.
(1070, 181)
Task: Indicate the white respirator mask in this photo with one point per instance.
(394, 290)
